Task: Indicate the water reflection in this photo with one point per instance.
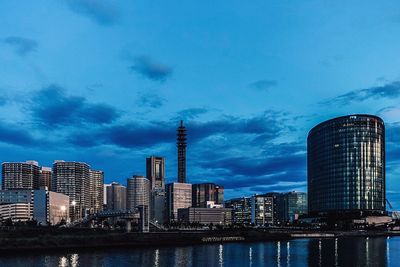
(302, 252)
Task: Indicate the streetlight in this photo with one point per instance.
(63, 209)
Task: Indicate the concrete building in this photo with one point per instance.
(202, 193)
(262, 210)
(45, 176)
(50, 207)
(346, 167)
(116, 197)
(278, 207)
(17, 212)
(137, 192)
(20, 175)
(96, 190)
(241, 210)
(73, 179)
(216, 216)
(179, 196)
(16, 196)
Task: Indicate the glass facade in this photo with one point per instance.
(346, 165)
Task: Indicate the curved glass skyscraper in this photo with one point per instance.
(346, 166)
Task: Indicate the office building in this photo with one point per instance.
(346, 166)
(137, 192)
(20, 175)
(50, 207)
(116, 197)
(181, 146)
(73, 179)
(295, 205)
(202, 193)
(262, 210)
(215, 216)
(45, 176)
(155, 172)
(179, 196)
(241, 210)
(278, 207)
(96, 190)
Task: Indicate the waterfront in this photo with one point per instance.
(349, 251)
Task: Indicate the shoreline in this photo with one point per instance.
(89, 240)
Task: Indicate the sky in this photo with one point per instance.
(107, 82)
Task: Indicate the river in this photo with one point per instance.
(355, 251)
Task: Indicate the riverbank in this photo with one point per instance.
(56, 239)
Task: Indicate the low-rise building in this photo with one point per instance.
(50, 207)
(17, 212)
(217, 216)
(241, 210)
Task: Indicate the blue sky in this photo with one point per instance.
(106, 82)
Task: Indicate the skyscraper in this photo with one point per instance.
(181, 145)
(201, 193)
(155, 172)
(20, 175)
(116, 197)
(346, 166)
(96, 190)
(179, 196)
(73, 179)
(137, 192)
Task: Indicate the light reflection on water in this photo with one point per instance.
(380, 251)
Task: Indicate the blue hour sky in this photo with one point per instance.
(106, 82)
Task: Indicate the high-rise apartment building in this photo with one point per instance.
(181, 146)
(96, 190)
(73, 179)
(179, 196)
(20, 175)
(346, 166)
(116, 197)
(45, 177)
(137, 192)
(201, 193)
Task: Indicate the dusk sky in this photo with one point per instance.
(106, 82)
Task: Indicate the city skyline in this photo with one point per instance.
(112, 88)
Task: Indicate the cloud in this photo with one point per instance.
(191, 113)
(101, 11)
(22, 46)
(263, 84)
(15, 135)
(150, 69)
(151, 100)
(391, 90)
(52, 107)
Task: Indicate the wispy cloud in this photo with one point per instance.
(101, 11)
(22, 46)
(151, 100)
(151, 69)
(391, 90)
(263, 84)
(191, 113)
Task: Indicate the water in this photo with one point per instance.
(358, 251)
